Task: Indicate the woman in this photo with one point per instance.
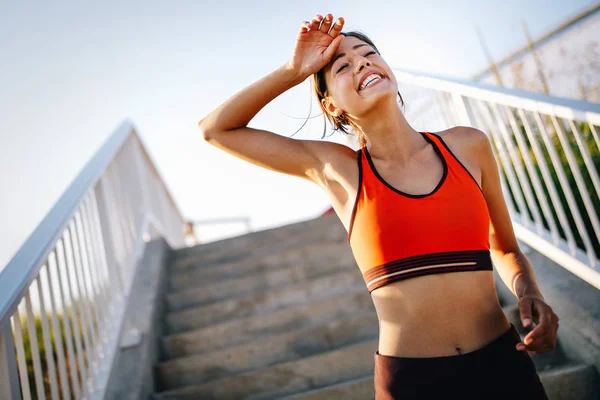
(424, 214)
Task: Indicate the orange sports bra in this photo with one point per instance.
(396, 235)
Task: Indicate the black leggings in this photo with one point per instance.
(496, 371)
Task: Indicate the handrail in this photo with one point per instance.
(39, 244)
(545, 147)
(79, 264)
(561, 106)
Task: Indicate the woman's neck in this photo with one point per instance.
(389, 136)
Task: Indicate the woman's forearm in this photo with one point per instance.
(239, 110)
(516, 271)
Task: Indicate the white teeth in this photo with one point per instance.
(369, 79)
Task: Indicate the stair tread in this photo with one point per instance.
(286, 377)
(254, 304)
(244, 267)
(305, 372)
(260, 242)
(270, 350)
(248, 328)
(224, 289)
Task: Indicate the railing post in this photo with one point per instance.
(113, 266)
(9, 378)
(461, 109)
(141, 175)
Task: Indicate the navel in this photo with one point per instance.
(459, 350)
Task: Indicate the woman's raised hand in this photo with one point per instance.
(316, 44)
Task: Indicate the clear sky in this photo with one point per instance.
(71, 72)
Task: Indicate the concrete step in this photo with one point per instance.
(243, 330)
(322, 229)
(354, 389)
(246, 284)
(349, 364)
(244, 241)
(191, 366)
(268, 350)
(284, 300)
(571, 381)
(285, 378)
(566, 382)
(274, 249)
(303, 292)
(228, 250)
(314, 255)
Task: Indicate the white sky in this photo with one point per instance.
(71, 72)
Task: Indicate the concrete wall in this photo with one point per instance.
(132, 372)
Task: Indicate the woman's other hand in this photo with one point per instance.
(316, 43)
(542, 338)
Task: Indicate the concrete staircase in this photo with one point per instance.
(284, 313)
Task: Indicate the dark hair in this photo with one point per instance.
(340, 123)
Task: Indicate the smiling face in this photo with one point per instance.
(357, 79)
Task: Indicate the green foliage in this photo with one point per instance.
(27, 344)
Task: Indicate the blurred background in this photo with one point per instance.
(71, 72)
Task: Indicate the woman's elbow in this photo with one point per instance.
(205, 129)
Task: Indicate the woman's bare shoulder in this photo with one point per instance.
(466, 135)
(465, 140)
(471, 147)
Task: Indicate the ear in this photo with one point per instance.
(328, 105)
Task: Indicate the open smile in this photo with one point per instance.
(369, 80)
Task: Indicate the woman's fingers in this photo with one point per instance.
(326, 23)
(525, 305)
(304, 26)
(316, 22)
(543, 337)
(337, 27)
(541, 329)
(332, 48)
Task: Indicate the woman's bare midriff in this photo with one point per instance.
(439, 315)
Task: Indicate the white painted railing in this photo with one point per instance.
(545, 147)
(64, 292)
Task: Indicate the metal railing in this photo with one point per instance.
(62, 296)
(548, 150)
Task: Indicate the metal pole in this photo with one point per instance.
(9, 378)
(493, 65)
(538, 64)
